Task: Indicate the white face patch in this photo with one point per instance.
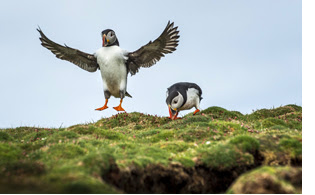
(111, 37)
(177, 101)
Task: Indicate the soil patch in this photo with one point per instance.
(175, 178)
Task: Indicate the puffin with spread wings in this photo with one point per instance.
(114, 62)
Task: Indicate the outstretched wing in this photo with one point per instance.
(152, 52)
(84, 60)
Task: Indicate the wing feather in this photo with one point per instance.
(83, 60)
(152, 52)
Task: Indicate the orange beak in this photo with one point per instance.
(170, 111)
(173, 112)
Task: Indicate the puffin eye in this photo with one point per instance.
(175, 101)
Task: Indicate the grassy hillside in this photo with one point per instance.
(139, 153)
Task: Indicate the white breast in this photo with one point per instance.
(192, 99)
(113, 68)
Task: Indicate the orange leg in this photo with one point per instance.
(196, 111)
(119, 108)
(175, 116)
(104, 107)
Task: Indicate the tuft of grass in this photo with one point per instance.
(82, 129)
(98, 161)
(269, 122)
(109, 134)
(9, 153)
(131, 119)
(221, 113)
(292, 145)
(61, 136)
(267, 113)
(245, 143)
(5, 136)
(64, 151)
(225, 157)
(23, 167)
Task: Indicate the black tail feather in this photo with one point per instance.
(127, 94)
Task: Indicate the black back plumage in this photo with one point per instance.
(182, 88)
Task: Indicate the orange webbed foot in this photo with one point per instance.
(196, 111)
(104, 107)
(101, 108)
(119, 108)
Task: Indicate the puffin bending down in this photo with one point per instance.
(114, 62)
(183, 96)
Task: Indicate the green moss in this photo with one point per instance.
(82, 129)
(5, 136)
(137, 127)
(87, 185)
(36, 136)
(246, 143)
(280, 180)
(269, 122)
(295, 107)
(278, 127)
(185, 161)
(61, 136)
(173, 147)
(31, 146)
(225, 156)
(20, 132)
(131, 119)
(23, 167)
(9, 153)
(163, 135)
(193, 119)
(109, 134)
(291, 145)
(65, 151)
(221, 113)
(267, 113)
(148, 133)
(98, 161)
(27, 185)
(142, 156)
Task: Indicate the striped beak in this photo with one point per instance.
(105, 41)
(172, 112)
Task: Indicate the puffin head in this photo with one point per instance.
(109, 38)
(174, 100)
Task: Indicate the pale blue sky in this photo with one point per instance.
(243, 54)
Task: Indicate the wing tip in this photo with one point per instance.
(38, 28)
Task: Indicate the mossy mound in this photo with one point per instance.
(133, 120)
(269, 180)
(221, 113)
(118, 154)
(276, 112)
(5, 136)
